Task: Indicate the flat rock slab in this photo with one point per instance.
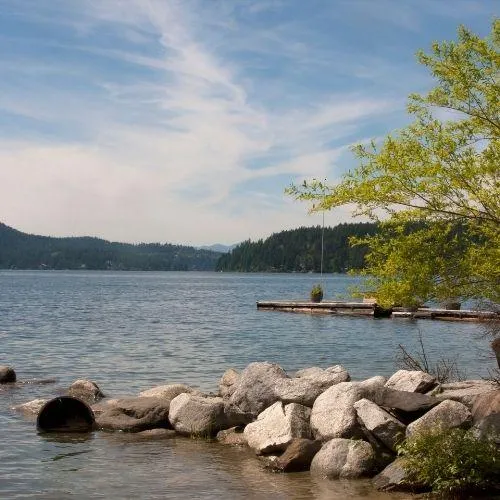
(343, 459)
(132, 414)
(277, 426)
(411, 381)
(403, 400)
(380, 423)
(446, 415)
(7, 374)
(464, 392)
(167, 392)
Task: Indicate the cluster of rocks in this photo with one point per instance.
(317, 420)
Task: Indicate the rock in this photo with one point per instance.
(166, 392)
(156, 434)
(308, 384)
(31, 408)
(297, 457)
(232, 436)
(85, 390)
(403, 400)
(65, 414)
(228, 382)
(333, 414)
(380, 423)
(7, 374)
(132, 414)
(495, 345)
(464, 392)
(196, 415)
(446, 415)
(255, 388)
(394, 478)
(411, 381)
(277, 426)
(486, 415)
(344, 459)
(262, 384)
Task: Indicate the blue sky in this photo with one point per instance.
(184, 120)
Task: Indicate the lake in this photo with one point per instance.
(129, 331)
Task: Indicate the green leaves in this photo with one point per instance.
(438, 173)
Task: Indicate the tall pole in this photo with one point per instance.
(322, 245)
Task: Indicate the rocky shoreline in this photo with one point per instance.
(318, 419)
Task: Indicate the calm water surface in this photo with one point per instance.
(131, 331)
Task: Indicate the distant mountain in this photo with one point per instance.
(299, 250)
(217, 247)
(26, 251)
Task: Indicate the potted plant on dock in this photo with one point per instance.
(317, 293)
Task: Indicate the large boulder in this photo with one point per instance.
(262, 384)
(308, 384)
(228, 382)
(166, 392)
(464, 392)
(344, 459)
(197, 415)
(86, 390)
(411, 381)
(7, 374)
(297, 457)
(446, 415)
(403, 400)
(333, 414)
(380, 423)
(277, 426)
(132, 414)
(486, 415)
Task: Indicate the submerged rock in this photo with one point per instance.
(344, 459)
(232, 436)
(7, 374)
(132, 414)
(277, 426)
(31, 408)
(297, 457)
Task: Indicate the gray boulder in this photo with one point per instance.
(486, 415)
(411, 381)
(86, 390)
(166, 392)
(308, 384)
(446, 415)
(464, 392)
(228, 382)
(197, 415)
(297, 457)
(384, 426)
(344, 459)
(395, 478)
(277, 426)
(7, 374)
(333, 414)
(233, 436)
(132, 414)
(403, 400)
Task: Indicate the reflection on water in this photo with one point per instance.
(131, 331)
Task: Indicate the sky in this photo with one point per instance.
(183, 121)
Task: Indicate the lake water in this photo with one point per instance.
(131, 331)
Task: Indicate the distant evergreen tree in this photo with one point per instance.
(299, 250)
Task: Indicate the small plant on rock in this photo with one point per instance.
(453, 463)
(317, 293)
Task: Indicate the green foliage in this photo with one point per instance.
(299, 250)
(24, 251)
(440, 175)
(317, 293)
(451, 462)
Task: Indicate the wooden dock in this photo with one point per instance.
(373, 310)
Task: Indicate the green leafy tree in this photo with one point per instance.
(434, 185)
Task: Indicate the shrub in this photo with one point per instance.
(317, 293)
(453, 463)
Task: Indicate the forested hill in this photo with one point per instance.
(25, 251)
(299, 250)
